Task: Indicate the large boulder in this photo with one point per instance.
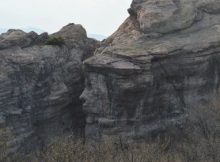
(17, 38)
(40, 85)
(161, 62)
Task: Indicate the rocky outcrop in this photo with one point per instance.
(161, 62)
(40, 85)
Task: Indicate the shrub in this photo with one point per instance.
(69, 150)
(200, 143)
(57, 41)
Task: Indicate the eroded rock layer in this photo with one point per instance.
(40, 85)
(161, 62)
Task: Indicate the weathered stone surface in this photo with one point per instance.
(17, 38)
(40, 85)
(162, 61)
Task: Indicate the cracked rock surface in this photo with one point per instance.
(162, 61)
(40, 85)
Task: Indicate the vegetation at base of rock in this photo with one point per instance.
(5, 137)
(57, 41)
(199, 141)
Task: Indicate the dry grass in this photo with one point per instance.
(200, 142)
(5, 137)
(69, 151)
(109, 151)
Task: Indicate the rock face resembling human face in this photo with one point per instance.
(131, 102)
(96, 103)
(95, 95)
(113, 102)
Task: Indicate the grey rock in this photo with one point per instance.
(40, 86)
(16, 38)
(160, 63)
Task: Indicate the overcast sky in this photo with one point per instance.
(97, 16)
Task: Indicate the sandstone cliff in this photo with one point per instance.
(161, 62)
(40, 85)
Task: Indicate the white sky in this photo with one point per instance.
(97, 16)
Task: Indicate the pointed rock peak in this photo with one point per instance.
(74, 31)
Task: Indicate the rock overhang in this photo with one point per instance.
(169, 51)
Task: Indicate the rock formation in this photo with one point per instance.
(161, 62)
(40, 85)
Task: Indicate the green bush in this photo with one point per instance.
(57, 41)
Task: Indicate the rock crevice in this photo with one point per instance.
(40, 85)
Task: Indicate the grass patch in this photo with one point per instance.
(55, 41)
